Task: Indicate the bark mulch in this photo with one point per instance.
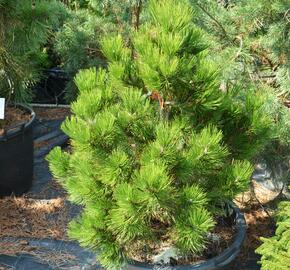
(260, 223)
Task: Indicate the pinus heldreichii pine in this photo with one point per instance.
(156, 141)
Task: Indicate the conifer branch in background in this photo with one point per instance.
(275, 250)
(25, 27)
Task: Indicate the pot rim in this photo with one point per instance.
(227, 256)
(21, 128)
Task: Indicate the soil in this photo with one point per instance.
(220, 238)
(51, 113)
(14, 116)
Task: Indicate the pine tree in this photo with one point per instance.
(275, 251)
(152, 140)
(24, 30)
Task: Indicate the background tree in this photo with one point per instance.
(251, 43)
(24, 30)
(78, 42)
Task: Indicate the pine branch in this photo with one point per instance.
(136, 12)
(225, 34)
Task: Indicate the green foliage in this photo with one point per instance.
(191, 231)
(24, 30)
(153, 151)
(252, 38)
(275, 251)
(78, 43)
(75, 4)
(251, 41)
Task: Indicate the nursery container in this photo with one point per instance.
(51, 89)
(215, 263)
(16, 158)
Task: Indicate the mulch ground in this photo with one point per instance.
(52, 257)
(28, 217)
(40, 218)
(32, 215)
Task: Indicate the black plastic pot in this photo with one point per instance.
(212, 264)
(51, 89)
(16, 158)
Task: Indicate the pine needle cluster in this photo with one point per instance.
(155, 141)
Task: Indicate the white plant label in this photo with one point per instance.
(2, 108)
